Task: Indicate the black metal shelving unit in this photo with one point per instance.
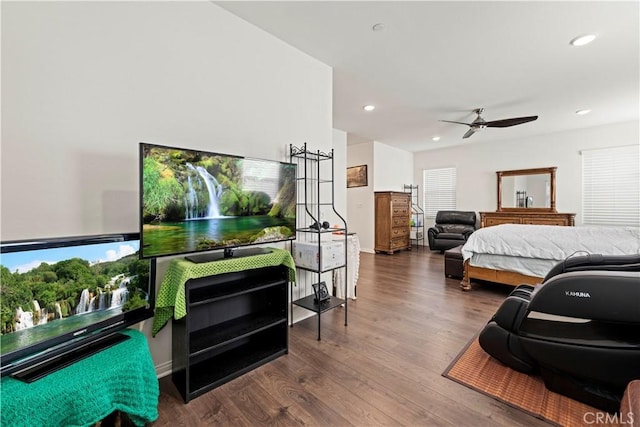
(316, 197)
(416, 234)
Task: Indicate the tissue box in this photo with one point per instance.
(331, 255)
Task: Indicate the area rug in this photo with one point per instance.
(480, 372)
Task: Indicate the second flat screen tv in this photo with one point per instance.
(195, 201)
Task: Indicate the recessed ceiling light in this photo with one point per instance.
(582, 112)
(435, 138)
(378, 27)
(582, 40)
(369, 107)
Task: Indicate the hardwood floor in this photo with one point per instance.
(383, 369)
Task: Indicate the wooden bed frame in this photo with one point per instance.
(497, 276)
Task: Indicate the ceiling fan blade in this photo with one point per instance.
(469, 133)
(510, 122)
(460, 123)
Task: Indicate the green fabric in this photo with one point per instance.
(170, 301)
(121, 378)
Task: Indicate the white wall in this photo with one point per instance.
(360, 218)
(388, 169)
(84, 82)
(393, 168)
(340, 171)
(477, 163)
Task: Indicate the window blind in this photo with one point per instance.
(439, 190)
(611, 186)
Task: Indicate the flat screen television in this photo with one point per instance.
(66, 298)
(195, 201)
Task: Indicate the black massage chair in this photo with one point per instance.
(580, 328)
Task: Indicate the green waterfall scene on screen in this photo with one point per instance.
(194, 201)
(53, 291)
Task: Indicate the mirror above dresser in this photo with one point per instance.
(526, 196)
(528, 189)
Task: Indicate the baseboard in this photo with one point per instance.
(300, 314)
(163, 369)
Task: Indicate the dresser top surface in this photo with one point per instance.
(526, 213)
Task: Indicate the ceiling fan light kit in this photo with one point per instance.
(479, 123)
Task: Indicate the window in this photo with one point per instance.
(611, 186)
(439, 190)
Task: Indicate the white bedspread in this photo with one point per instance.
(547, 242)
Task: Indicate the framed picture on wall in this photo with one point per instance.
(357, 176)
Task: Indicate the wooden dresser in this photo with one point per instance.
(487, 219)
(393, 215)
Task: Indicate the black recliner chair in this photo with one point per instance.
(452, 228)
(592, 351)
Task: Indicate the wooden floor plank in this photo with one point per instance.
(383, 369)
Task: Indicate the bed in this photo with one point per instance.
(514, 254)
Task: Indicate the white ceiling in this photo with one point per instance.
(441, 59)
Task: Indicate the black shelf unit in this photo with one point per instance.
(416, 235)
(316, 191)
(235, 322)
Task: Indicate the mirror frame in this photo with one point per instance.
(551, 171)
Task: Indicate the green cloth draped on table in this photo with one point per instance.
(170, 301)
(121, 377)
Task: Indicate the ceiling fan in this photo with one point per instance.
(479, 123)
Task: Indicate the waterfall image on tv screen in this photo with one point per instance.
(56, 291)
(194, 201)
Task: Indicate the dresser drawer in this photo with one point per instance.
(399, 232)
(399, 202)
(401, 211)
(488, 222)
(399, 243)
(541, 221)
(399, 221)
